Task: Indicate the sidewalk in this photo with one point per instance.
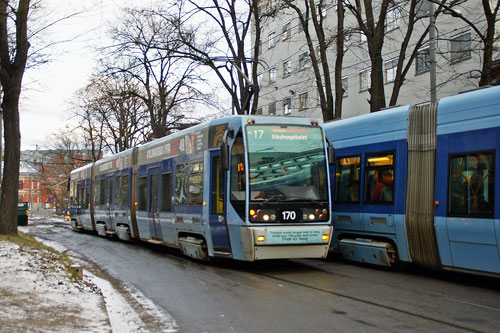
(41, 292)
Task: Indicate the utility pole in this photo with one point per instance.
(432, 53)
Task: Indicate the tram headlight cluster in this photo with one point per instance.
(315, 214)
(263, 215)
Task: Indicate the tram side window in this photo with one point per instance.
(100, 192)
(347, 172)
(180, 196)
(86, 197)
(379, 179)
(238, 170)
(237, 185)
(118, 188)
(471, 185)
(124, 190)
(166, 192)
(196, 184)
(143, 193)
(217, 187)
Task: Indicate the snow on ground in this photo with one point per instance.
(37, 295)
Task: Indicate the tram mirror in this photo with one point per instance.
(224, 156)
(331, 155)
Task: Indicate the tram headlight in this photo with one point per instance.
(266, 217)
(312, 217)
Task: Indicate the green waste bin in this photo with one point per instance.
(22, 213)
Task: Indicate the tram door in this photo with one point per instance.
(154, 207)
(217, 217)
(109, 204)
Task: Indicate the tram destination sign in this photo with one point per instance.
(294, 236)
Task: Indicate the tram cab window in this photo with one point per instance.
(196, 184)
(471, 185)
(166, 192)
(143, 193)
(347, 174)
(379, 179)
(180, 197)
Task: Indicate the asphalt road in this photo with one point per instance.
(291, 296)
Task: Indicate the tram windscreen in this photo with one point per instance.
(286, 163)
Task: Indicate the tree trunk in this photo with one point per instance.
(10, 182)
(11, 76)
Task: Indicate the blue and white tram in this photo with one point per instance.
(417, 184)
(240, 187)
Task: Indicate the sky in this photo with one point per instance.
(45, 106)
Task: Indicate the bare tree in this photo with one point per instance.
(318, 42)
(145, 49)
(111, 115)
(14, 48)
(221, 43)
(371, 21)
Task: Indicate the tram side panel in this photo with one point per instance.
(369, 187)
(467, 193)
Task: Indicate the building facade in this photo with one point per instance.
(287, 82)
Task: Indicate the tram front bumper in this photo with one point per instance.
(282, 242)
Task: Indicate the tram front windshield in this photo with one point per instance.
(286, 163)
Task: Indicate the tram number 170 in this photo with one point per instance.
(289, 215)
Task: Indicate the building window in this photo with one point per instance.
(364, 80)
(21, 184)
(321, 8)
(391, 67)
(272, 75)
(303, 100)
(362, 37)
(345, 86)
(272, 109)
(287, 106)
(423, 62)
(304, 60)
(471, 185)
(258, 111)
(423, 8)
(259, 79)
(287, 68)
(287, 31)
(272, 39)
(392, 18)
(460, 47)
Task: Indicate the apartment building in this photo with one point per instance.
(287, 83)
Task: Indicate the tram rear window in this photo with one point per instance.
(471, 185)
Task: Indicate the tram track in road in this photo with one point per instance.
(316, 279)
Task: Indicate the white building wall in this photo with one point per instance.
(415, 90)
